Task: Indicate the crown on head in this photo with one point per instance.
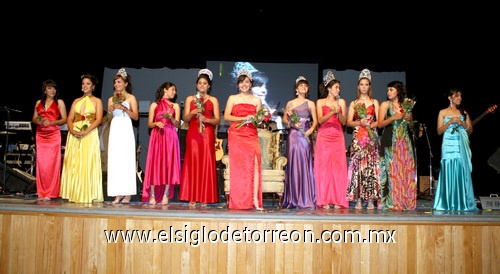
(122, 72)
(328, 78)
(365, 74)
(207, 72)
(300, 78)
(245, 72)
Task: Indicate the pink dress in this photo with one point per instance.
(163, 162)
(244, 152)
(48, 153)
(330, 163)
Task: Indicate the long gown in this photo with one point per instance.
(199, 173)
(330, 163)
(363, 172)
(163, 162)
(299, 177)
(121, 155)
(81, 179)
(454, 188)
(398, 174)
(48, 153)
(244, 152)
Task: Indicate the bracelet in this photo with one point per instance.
(467, 128)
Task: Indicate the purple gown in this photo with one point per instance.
(299, 176)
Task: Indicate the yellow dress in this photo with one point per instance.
(81, 178)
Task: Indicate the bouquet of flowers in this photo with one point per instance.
(408, 105)
(294, 118)
(360, 109)
(262, 115)
(198, 102)
(118, 98)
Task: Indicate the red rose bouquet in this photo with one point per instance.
(262, 115)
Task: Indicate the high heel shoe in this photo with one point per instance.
(152, 200)
(256, 205)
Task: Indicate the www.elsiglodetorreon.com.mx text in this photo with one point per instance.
(195, 237)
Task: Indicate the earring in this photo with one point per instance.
(296, 93)
(451, 102)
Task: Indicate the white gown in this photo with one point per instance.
(121, 155)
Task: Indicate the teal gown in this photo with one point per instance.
(454, 189)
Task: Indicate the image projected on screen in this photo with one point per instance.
(273, 83)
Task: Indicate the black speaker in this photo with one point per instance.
(494, 160)
(17, 181)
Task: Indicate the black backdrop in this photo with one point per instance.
(450, 50)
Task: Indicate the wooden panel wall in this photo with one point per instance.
(62, 243)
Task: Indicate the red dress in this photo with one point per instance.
(243, 151)
(48, 153)
(199, 172)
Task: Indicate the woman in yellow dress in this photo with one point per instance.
(81, 179)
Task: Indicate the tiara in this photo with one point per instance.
(245, 72)
(207, 72)
(328, 78)
(122, 72)
(300, 78)
(365, 74)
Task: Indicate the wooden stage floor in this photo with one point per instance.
(175, 208)
(61, 237)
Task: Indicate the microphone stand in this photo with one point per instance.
(431, 181)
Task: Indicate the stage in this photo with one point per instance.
(57, 236)
(175, 208)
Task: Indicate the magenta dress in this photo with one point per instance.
(199, 173)
(300, 184)
(48, 153)
(244, 151)
(330, 163)
(163, 162)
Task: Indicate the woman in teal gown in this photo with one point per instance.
(454, 189)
